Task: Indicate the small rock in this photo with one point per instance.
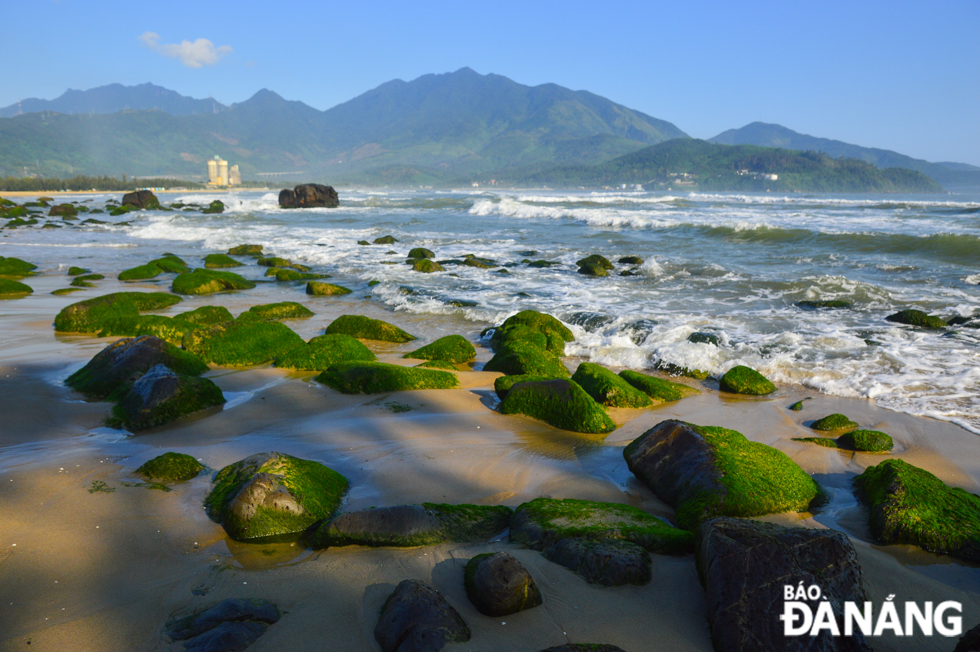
(499, 585)
(415, 618)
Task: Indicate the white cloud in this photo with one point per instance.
(192, 54)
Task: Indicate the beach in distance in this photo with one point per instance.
(678, 286)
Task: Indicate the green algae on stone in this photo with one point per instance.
(745, 380)
(607, 388)
(420, 252)
(592, 269)
(217, 206)
(365, 328)
(703, 338)
(827, 304)
(10, 287)
(451, 348)
(141, 272)
(559, 402)
(273, 494)
(284, 275)
(275, 261)
(11, 266)
(276, 311)
(427, 266)
(90, 316)
(630, 260)
(209, 281)
(819, 441)
(543, 522)
(502, 384)
(76, 271)
(658, 389)
(916, 318)
(324, 351)
(246, 250)
(160, 396)
(170, 467)
(242, 343)
(220, 261)
(166, 328)
(677, 370)
(325, 289)
(206, 315)
(834, 421)
(437, 364)
(866, 441)
(536, 327)
(909, 505)
(595, 259)
(520, 358)
(798, 406)
(385, 239)
(358, 377)
(63, 291)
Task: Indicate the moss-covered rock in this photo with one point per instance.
(325, 289)
(427, 266)
(11, 287)
(658, 389)
(533, 327)
(217, 206)
(867, 441)
(912, 506)
(499, 585)
(160, 396)
(825, 304)
(502, 384)
(276, 312)
(420, 253)
(15, 267)
(745, 380)
(543, 522)
(607, 562)
(595, 259)
(385, 239)
(834, 421)
(539, 264)
(522, 358)
(451, 348)
(246, 250)
(559, 402)
(275, 261)
(242, 343)
(220, 261)
(630, 260)
(63, 210)
(141, 199)
(916, 318)
(365, 328)
(413, 525)
(607, 388)
(798, 406)
(592, 269)
(166, 328)
(380, 377)
(206, 315)
(273, 494)
(324, 351)
(170, 467)
(703, 338)
(208, 281)
(91, 315)
(707, 471)
(168, 264)
(77, 271)
(63, 291)
(437, 364)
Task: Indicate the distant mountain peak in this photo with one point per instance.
(113, 98)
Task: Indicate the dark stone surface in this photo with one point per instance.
(608, 562)
(161, 396)
(401, 523)
(233, 610)
(141, 199)
(744, 566)
(499, 585)
(969, 642)
(227, 637)
(415, 618)
(309, 195)
(587, 647)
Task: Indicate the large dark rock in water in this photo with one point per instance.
(415, 618)
(744, 566)
(309, 195)
(499, 585)
(141, 199)
(161, 396)
(607, 562)
(232, 624)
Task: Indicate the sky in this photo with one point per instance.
(897, 75)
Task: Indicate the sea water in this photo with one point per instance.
(732, 265)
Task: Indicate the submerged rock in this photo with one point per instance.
(160, 396)
(499, 585)
(826, 304)
(416, 618)
(208, 281)
(451, 348)
(834, 421)
(560, 403)
(365, 328)
(380, 377)
(607, 388)
(220, 261)
(745, 380)
(658, 389)
(170, 467)
(276, 261)
(385, 239)
(309, 195)
(90, 316)
(916, 318)
(141, 199)
(324, 351)
(242, 343)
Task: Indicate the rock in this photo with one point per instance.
(385, 239)
(170, 467)
(77, 271)
(912, 506)
(437, 364)
(276, 312)
(607, 562)
(542, 263)
(242, 343)
(584, 647)
(835, 421)
(206, 315)
(703, 338)
(168, 264)
(870, 441)
(595, 259)
(744, 565)
(16, 267)
(658, 389)
(220, 261)
(427, 266)
(533, 327)
(916, 318)
(275, 261)
(502, 384)
(630, 260)
(160, 396)
(524, 358)
(235, 624)
(469, 260)
(558, 402)
(141, 199)
(451, 348)
(166, 328)
(969, 642)
(607, 388)
(324, 289)
(798, 406)
(499, 585)
(208, 281)
(217, 206)
(592, 322)
(246, 250)
(415, 618)
(226, 637)
(366, 328)
(413, 525)
(421, 252)
(380, 377)
(283, 275)
(273, 494)
(707, 471)
(592, 269)
(324, 351)
(89, 316)
(826, 304)
(743, 380)
(309, 195)
(10, 287)
(124, 361)
(65, 210)
(543, 522)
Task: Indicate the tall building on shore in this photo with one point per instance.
(218, 174)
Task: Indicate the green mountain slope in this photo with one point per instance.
(114, 98)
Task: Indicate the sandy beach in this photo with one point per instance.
(91, 560)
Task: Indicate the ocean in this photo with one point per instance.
(730, 265)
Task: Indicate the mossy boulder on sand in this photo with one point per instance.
(89, 316)
(868, 441)
(8, 286)
(206, 315)
(502, 384)
(166, 328)
(324, 351)
(166, 265)
(499, 585)
(170, 467)
(707, 471)
(745, 380)
(607, 562)
(543, 522)
(912, 506)
(560, 403)
(416, 618)
(523, 358)
(246, 250)
(15, 267)
(124, 361)
(916, 318)
(380, 377)
(451, 348)
(834, 421)
(325, 289)
(534, 327)
(365, 328)
(276, 311)
(219, 261)
(160, 396)
(242, 343)
(273, 494)
(607, 388)
(658, 389)
(286, 275)
(208, 281)
(413, 525)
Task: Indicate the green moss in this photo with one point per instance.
(542, 263)
(521, 358)
(451, 348)
(592, 269)
(275, 261)
(437, 364)
(744, 380)
(703, 338)
(380, 377)
(420, 253)
(89, 277)
(246, 250)
(193, 394)
(595, 260)
(325, 289)
(503, 384)
(561, 403)
(15, 267)
(139, 273)
(535, 327)
(242, 344)
(219, 261)
(8, 286)
(607, 388)
(323, 351)
(166, 328)
(207, 281)
(75, 271)
(916, 318)
(658, 389)
(276, 311)
(366, 328)
(630, 260)
(90, 316)
(677, 370)
(909, 505)
(427, 266)
(103, 375)
(82, 284)
(819, 441)
(543, 522)
(830, 303)
(385, 239)
(285, 275)
(217, 206)
(798, 406)
(206, 315)
(833, 422)
(63, 291)
(870, 441)
(171, 467)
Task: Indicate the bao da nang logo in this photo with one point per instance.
(801, 618)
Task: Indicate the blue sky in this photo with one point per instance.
(897, 75)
